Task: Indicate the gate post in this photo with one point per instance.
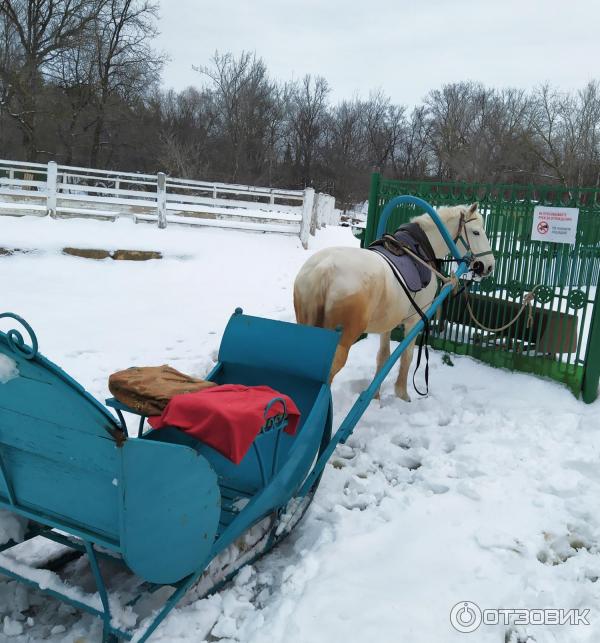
(372, 212)
(51, 180)
(314, 217)
(307, 208)
(591, 365)
(161, 199)
(334, 218)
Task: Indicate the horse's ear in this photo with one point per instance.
(473, 207)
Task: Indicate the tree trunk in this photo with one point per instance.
(95, 150)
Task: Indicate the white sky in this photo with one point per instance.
(404, 47)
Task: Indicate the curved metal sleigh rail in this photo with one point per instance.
(15, 337)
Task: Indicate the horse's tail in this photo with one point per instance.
(317, 314)
(310, 312)
(309, 302)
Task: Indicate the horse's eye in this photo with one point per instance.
(476, 233)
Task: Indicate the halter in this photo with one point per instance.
(462, 227)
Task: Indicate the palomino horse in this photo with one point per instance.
(355, 288)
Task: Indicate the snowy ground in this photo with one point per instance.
(486, 491)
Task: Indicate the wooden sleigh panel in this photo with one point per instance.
(163, 503)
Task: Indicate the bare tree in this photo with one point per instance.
(548, 130)
(42, 29)
(345, 149)
(307, 109)
(187, 127)
(412, 157)
(73, 74)
(450, 111)
(246, 101)
(384, 125)
(125, 63)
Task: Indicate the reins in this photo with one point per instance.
(527, 299)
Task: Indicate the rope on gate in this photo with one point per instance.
(527, 301)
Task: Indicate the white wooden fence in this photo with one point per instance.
(64, 191)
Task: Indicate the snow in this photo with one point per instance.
(12, 527)
(486, 491)
(8, 369)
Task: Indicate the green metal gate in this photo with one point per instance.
(563, 339)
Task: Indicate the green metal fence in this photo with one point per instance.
(562, 340)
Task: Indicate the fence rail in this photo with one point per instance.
(65, 191)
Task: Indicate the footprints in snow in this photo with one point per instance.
(559, 549)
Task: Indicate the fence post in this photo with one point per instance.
(51, 181)
(161, 199)
(314, 214)
(331, 218)
(372, 218)
(591, 366)
(307, 209)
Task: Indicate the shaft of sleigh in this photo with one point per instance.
(364, 399)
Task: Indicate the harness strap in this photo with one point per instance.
(422, 340)
(467, 242)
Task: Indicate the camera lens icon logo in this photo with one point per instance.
(465, 617)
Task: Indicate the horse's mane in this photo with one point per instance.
(448, 214)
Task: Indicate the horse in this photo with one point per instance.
(356, 288)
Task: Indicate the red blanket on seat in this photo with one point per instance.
(228, 418)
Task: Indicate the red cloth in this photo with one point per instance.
(228, 418)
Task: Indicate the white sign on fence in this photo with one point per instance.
(556, 225)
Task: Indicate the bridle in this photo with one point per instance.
(474, 256)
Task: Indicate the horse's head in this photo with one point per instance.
(470, 237)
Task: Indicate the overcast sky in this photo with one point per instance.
(404, 47)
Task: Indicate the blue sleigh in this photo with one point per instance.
(163, 504)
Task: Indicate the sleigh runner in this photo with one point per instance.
(171, 509)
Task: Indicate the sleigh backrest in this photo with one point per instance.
(292, 359)
(65, 462)
(57, 443)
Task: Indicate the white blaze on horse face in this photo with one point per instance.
(474, 234)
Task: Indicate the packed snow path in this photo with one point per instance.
(486, 491)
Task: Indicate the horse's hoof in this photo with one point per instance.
(403, 395)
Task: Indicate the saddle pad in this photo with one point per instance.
(405, 268)
(227, 418)
(414, 274)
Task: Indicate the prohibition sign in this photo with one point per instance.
(543, 227)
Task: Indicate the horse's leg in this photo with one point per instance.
(339, 361)
(383, 353)
(405, 361)
(351, 314)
